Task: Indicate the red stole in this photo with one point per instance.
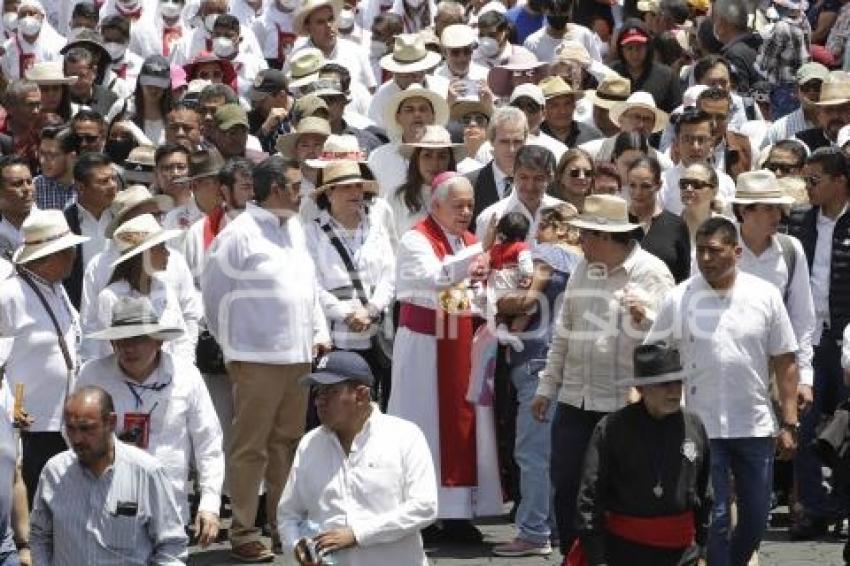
(25, 60)
(170, 35)
(121, 70)
(212, 226)
(131, 15)
(458, 457)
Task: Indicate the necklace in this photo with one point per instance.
(658, 465)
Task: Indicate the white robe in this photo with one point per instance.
(414, 377)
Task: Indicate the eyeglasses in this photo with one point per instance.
(526, 74)
(693, 185)
(474, 119)
(781, 168)
(576, 173)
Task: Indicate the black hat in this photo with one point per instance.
(268, 81)
(156, 71)
(340, 366)
(656, 363)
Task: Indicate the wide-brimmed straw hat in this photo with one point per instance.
(835, 90)
(128, 199)
(556, 86)
(438, 103)
(754, 187)
(139, 234)
(499, 78)
(304, 66)
(344, 172)
(133, 317)
(654, 364)
(338, 148)
(604, 213)
(410, 55)
(49, 73)
(310, 125)
(45, 233)
(612, 91)
(310, 6)
(435, 137)
(463, 106)
(205, 163)
(640, 99)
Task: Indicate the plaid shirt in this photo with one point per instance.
(784, 49)
(50, 193)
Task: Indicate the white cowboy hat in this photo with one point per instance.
(131, 197)
(132, 317)
(336, 148)
(310, 6)
(438, 103)
(49, 73)
(344, 172)
(435, 137)
(304, 66)
(45, 233)
(139, 234)
(410, 55)
(612, 91)
(761, 186)
(835, 90)
(605, 213)
(640, 99)
(310, 125)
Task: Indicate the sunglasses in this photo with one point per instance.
(781, 168)
(474, 119)
(693, 184)
(576, 173)
(88, 138)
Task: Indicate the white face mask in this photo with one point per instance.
(209, 21)
(223, 47)
(10, 21)
(29, 25)
(377, 49)
(345, 22)
(414, 3)
(170, 9)
(286, 5)
(488, 46)
(116, 50)
(129, 5)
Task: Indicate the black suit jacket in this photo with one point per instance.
(484, 184)
(74, 283)
(814, 138)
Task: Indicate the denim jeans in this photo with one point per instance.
(828, 391)
(531, 453)
(571, 432)
(749, 461)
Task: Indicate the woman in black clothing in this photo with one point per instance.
(635, 62)
(662, 233)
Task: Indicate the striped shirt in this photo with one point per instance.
(126, 516)
(787, 127)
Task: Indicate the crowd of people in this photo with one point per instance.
(347, 275)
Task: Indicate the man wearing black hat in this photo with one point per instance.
(362, 485)
(270, 103)
(645, 495)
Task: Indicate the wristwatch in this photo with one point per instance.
(793, 428)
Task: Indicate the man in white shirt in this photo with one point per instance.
(544, 42)
(267, 317)
(162, 406)
(199, 40)
(458, 43)
(42, 328)
(730, 328)
(17, 199)
(170, 175)
(363, 481)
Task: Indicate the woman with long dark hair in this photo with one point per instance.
(635, 61)
(151, 100)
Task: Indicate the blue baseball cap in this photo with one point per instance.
(337, 367)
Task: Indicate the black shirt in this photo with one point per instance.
(668, 240)
(579, 133)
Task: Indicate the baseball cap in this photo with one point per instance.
(309, 105)
(337, 367)
(811, 71)
(528, 90)
(634, 36)
(230, 115)
(268, 81)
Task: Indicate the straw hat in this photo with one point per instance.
(135, 316)
(835, 90)
(613, 90)
(759, 187)
(304, 66)
(45, 233)
(49, 73)
(499, 78)
(464, 106)
(336, 148)
(435, 137)
(205, 163)
(139, 234)
(310, 6)
(410, 55)
(606, 213)
(569, 50)
(131, 197)
(344, 172)
(309, 125)
(640, 99)
(458, 35)
(556, 86)
(438, 103)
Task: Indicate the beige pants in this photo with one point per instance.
(269, 409)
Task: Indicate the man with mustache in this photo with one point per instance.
(833, 112)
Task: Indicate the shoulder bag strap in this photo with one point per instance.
(63, 345)
(349, 265)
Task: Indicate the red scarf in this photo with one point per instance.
(170, 35)
(507, 254)
(212, 226)
(25, 60)
(131, 15)
(458, 461)
(121, 70)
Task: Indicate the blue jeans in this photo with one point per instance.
(828, 391)
(750, 462)
(531, 453)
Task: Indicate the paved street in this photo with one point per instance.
(775, 551)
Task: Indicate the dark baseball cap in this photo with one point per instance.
(340, 366)
(267, 82)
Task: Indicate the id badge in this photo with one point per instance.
(137, 427)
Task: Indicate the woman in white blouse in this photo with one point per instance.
(351, 251)
(427, 158)
(141, 271)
